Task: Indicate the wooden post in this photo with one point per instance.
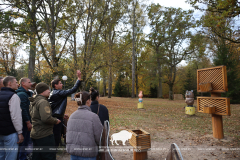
(217, 123)
(139, 155)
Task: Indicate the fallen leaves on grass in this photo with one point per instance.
(164, 115)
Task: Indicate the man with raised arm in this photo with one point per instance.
(58, 101)
(10, 119)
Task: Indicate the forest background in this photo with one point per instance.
(105, 40)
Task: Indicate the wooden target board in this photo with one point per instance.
(214, 78)
(221, 104)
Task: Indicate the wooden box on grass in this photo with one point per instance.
(140, 139)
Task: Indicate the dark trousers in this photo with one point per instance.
(57, 131)
(46, 143)
(22, 153)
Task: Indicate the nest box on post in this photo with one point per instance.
(213, 80)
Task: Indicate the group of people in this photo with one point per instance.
(38, 119)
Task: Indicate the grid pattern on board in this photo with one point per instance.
(220, 105)
(214, 76)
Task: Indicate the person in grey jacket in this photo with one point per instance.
(84, 130)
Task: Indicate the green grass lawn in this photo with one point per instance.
(163, 115)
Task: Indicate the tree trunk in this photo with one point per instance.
(33, 44)
(110, 61)
(104, 83)
(32, 55)
(133, 53)
(160, 88)
(98, 83)
(136, 84)
(159, 94)
(75, 49)
(159, 71)
(136, 76)
(170, 91)
(104, 88)
(110, 82)
(110, 72)
(53, 41)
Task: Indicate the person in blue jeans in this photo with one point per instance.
(24, 94)
(10, 120)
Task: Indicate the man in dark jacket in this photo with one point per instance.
(58, 101)
(10, 119)
(24, 94)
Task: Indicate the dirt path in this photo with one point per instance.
(167, 123)
(189, 147)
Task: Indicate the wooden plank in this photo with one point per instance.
(220, 91)
(139, 142)
(143, 140)
(198, 87)
(212, 97)
(203, 69)
(145, 132)
(139, 155)
(144, 144)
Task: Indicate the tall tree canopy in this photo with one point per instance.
(170, 32)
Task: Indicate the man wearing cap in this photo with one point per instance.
(58, 101)
(10, 119)
(42, 123)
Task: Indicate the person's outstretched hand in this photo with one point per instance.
(79, 75)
